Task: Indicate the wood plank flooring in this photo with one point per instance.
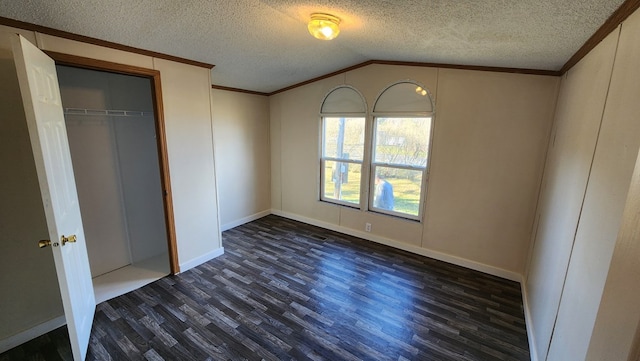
(285, 290)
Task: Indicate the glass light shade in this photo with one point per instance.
(324, 26)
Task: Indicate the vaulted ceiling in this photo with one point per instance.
(264, 45)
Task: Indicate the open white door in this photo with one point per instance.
(45, 119)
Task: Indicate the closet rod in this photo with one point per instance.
(114, 113)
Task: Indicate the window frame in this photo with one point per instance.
(368, 165)
(373, 165)
(323, 159)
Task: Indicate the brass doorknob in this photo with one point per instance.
(71, 239)
(44, 243)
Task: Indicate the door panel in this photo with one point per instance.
(45, 120)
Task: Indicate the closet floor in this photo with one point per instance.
(129, 278)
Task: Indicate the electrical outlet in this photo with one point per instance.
(367, 227)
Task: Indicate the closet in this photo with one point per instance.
(112, 138)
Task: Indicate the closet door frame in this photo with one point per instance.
(156, 86)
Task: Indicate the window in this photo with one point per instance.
(402, 126)
(391, 155)
(343, 127)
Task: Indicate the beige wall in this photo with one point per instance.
(490, 136)
(28, 277)
(189, 128)
(616, 334)
(571, 149)
(241, 141)
(491, 132)
(588, 174)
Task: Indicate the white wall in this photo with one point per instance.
(99, 190)
(585, 190)
(142, 188)
(116, 167)
(491, 131)
(241, 139)
(186, 96)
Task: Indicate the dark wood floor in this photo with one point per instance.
(285, 290)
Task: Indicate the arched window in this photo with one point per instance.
(343, 115)
(401, 144)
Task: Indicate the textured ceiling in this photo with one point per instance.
(263, 45)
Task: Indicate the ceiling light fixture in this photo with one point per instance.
(324, 26)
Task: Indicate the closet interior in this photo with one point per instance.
(112, 138)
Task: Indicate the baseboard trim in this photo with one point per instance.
(495, 271)
(201, 259)
(28, 335)
(528, 320)
(239, 222)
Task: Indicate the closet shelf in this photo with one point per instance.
(103, 112)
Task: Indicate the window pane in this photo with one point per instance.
(402, 140)
(342, 181)
(398, 190)
(343, 138)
